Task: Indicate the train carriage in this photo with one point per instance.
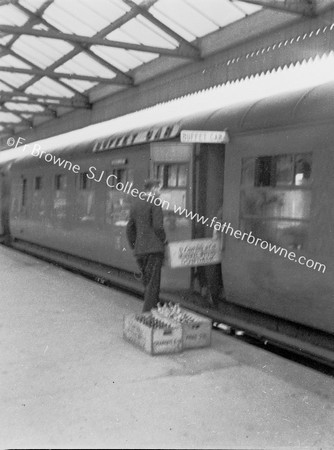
(269, 163)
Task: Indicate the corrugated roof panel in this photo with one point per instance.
(83, 64)
(32, 5)
(8, 117)
(42, 51)
(79, 85)
(144, 57)
(109, 9)
(73, 15)
(120, 35)
(11, 61)
(183, 13)
(141, 31)
(12, 16)
(122, 59)
(16, 79)
(4, 87)
(219, 12)
(5, 39)
(171, 23)
(46, 86)
(23, 106)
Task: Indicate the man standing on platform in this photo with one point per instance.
(147, 238)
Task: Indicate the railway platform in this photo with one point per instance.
(69, 380)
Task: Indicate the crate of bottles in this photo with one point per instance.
(155, 335)
(196, 329)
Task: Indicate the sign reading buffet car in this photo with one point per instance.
(197, 252)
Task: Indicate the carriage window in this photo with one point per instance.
(118, 203)
(38, 183)
(120, 176)
(24, 192)
(59, 201)
(275, 198)
(38, 204)
(60, 182)
(85, 198)
(264, 173)
(279, 170)
(84, 181)
(302, 169)
(172, 175)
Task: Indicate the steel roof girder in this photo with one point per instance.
(144, 12)
(78, 47)
(51, 74)
(44, 100)
(178, 53)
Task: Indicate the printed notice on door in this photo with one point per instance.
(197, 252)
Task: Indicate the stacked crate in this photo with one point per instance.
(167, 329)
(154, 335)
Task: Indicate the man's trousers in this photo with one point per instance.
(150, 266)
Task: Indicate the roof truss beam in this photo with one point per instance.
(17, 114)
(38, 16)
(42, 100)
(143, 11)
(56, 75)
(47, 112)
(302, 7)
(178, 53)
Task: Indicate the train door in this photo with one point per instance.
(172, 164)
(208, 200)
(191, 177)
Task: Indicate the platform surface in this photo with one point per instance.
(69, 380)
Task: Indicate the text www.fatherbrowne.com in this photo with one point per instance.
(251, 239)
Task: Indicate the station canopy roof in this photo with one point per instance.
(59, 55)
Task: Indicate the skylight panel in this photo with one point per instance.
(24, 106)
(109, 9)
(171, 23)
(122, 59)
(12, 16)
(11, 61)
(66, 21)
(47, 86)
(181, 12)
(32, 5)
(85, 65)
(219, 12)
(79, 85)
(9, 117)
(122, 36)
(144, 57)
(42, 51)
(145, 32)
(15, 79)
(5, 39)
(4, 87)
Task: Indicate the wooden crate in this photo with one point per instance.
(195, 334)
(155, 341)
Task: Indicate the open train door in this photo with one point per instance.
(191, 176)
(208, 199)
(172, 163)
